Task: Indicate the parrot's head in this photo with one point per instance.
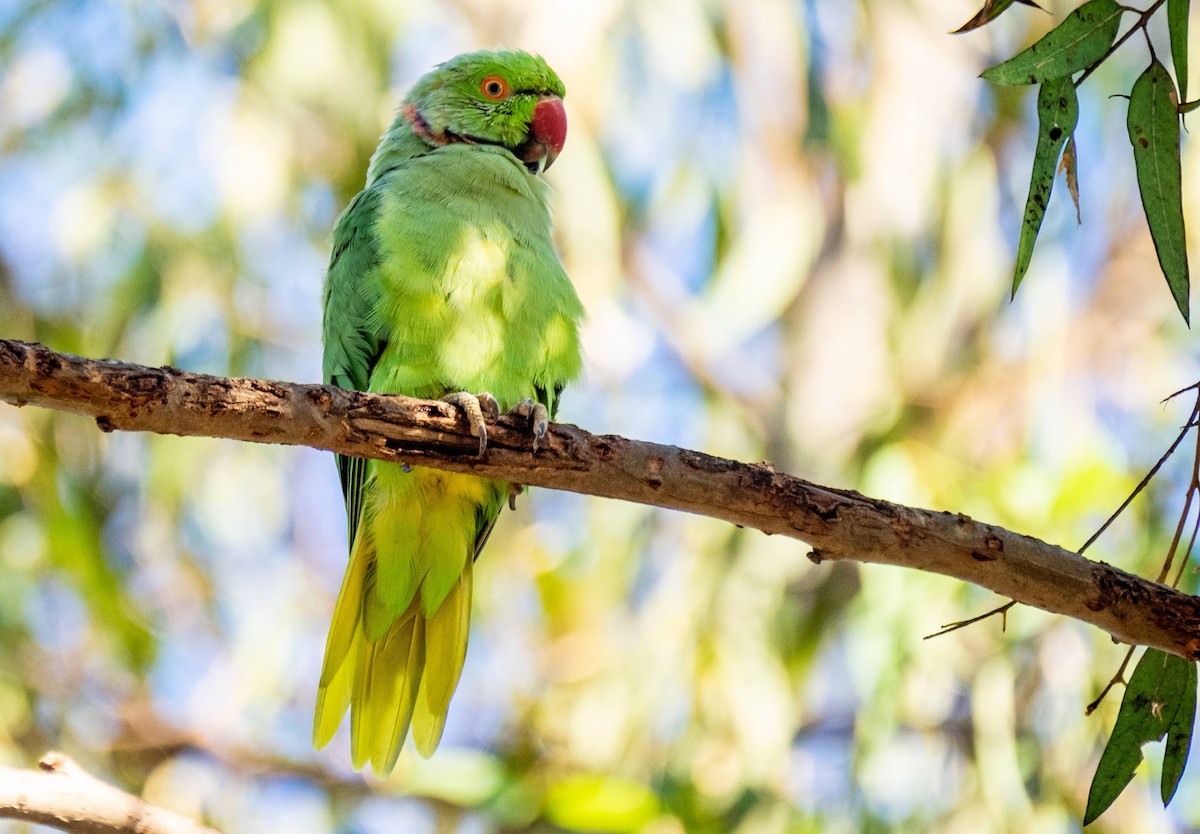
(511, 99)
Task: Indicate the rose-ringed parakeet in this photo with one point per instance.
(443, 283)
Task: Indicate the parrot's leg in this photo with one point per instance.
(475, 407)
(536, 413)
(513, 491)
(539, 418)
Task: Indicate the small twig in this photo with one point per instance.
(1119, 677)
(1193, 488)
(1187, 555)
(1195, 386)
(1143, 19)
(1183, 516)
(1191, 424)
(1193, 485)
(65, 796)
(1002, 611)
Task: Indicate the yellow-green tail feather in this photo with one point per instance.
(446, 643)
(396, 667)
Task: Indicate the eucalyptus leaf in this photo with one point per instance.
(1058, 113)
(1156, 691)
(991, 10)
(1177, 25)
(1154, 132)
(1075, 44)
(1179, 738)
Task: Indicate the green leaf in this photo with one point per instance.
(1075, 44)
(1179, 738)
(1058, 112)
(1154, 132)
(991, 10)
(1156, 691)
(1177, 25)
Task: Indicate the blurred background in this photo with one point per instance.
(792, 223)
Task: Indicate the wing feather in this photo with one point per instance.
(353, 341)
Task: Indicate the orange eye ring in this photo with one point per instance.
(494, 87)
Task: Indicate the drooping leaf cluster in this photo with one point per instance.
(1160, 698)
(1058, 63)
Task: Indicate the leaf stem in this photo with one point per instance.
(1119, 677)
(1143, 19)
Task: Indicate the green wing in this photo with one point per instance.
(353, 343)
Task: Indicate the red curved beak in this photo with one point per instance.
(548, 130)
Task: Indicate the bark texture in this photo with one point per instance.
(839, 524)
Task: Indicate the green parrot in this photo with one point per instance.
(443, 282)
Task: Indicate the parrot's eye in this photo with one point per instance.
(494, 87)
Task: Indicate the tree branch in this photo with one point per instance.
(63, 795)
(839, 524)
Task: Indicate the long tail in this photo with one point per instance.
(398, 638)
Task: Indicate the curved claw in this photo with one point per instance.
(513, 491)
(488, 405)
(538, 416)
(473, 408)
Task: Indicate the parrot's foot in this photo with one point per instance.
(476, 407)
(513, 491)
(538, 417)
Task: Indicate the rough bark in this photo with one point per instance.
(62, 795)
(839, 524)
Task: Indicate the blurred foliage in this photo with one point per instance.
(792, 223)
